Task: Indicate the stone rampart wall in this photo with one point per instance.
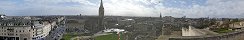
(236, 35)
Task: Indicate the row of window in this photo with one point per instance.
(13, 31)
(11, 27)
(9, 34)
(13, 24)
(37, 37)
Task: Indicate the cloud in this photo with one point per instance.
(176, 8)
(44, 7)
(129, 8)
(212, 8)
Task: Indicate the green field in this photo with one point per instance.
(68, 36)
(222, 30)
(113, 36)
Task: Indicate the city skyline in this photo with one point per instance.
(149, 8)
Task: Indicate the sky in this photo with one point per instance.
(148, 8)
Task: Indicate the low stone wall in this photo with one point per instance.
(236, 35)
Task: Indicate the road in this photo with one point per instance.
(57, 32)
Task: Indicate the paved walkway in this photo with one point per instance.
(166, 37)
(100, 33)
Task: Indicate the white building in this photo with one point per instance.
(23, 29)
(2, 16)
(126, 22)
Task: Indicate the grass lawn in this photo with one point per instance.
(222, 30)
(113, 36)
(68, 36)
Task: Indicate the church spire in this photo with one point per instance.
(101, 4)
(160, 15)
(101, 9)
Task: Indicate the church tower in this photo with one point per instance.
(101, 14)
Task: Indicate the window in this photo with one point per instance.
(33, 38)
(17, 38)
(24, 25)
(25, 38)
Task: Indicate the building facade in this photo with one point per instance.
(25, 29)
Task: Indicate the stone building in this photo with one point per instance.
(25, 29)
(91, 25)
(236, 25)
(142, 31)
(75, 26)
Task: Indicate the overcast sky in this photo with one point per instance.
(150, 8)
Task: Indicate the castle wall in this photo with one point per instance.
(191, 32)
(237, 35)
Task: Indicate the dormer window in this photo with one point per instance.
(15, 24)
(10, 24)
(24, 24)
(33, 26)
